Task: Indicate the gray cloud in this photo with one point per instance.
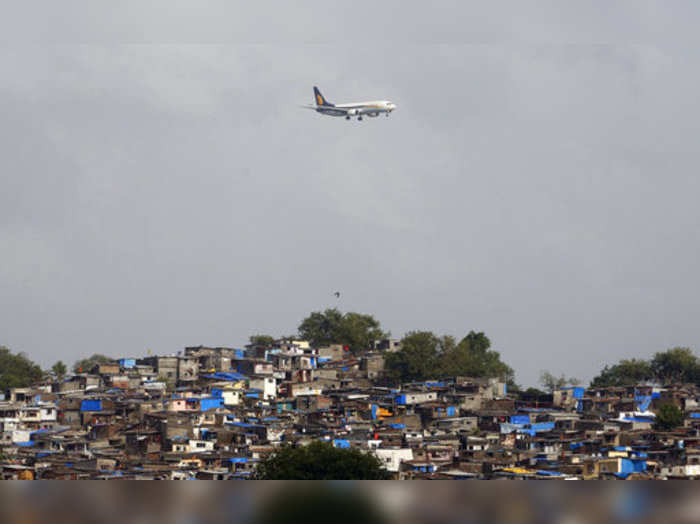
(539, 186)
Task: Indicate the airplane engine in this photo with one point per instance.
(353, 112)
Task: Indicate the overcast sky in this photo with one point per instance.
(160, 187)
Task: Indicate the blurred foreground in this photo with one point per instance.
(340, 502)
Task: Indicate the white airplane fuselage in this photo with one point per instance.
(372, 108)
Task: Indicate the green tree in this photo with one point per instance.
(677, 365)
(262, 340)
(424, 355)
(355, 330)
(320, 461)
(418, 357)
(551, 383)
(668, 417)
(533, 392)
(627, 372)
(16, 370)
(85, 365)
(59, 370)
(473, 357)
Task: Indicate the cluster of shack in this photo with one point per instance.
(216, 412)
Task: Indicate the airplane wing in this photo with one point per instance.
(328, 108)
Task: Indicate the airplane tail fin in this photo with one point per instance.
(319, 98)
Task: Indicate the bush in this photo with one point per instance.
(320, 461)
(668, 417)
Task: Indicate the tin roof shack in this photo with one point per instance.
(212, 359)
(247, 433)
(391, 459)
(372, 365)
(457, 425)
(266, 384)
(311, 403)
(143, 442)
(187, 370)
(105, 369)
(332, 352)
(388, 345)
(504, 404)
(487, 388)
(79, 383)
(614, 468)
(325, 374)
(96, 411)
(567, 398)
(391, 436)
(430, 411)
(440, 454)
(491, 420)
(250, 366)
(24, 396)
(121, 382)
(167, 423)
(165, 367)
(413, 397)
(473, 448)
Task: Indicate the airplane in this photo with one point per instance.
(358, 109)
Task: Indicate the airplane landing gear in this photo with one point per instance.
(347, 118)
(359, 117)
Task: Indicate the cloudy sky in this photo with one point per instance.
(160, 187)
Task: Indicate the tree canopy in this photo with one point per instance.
(551, 382)
(59, 369)
(418, 358)
(85, 365)
(668, 417)
(320, 461)
(355, 330)
(676, 365)
(16, 370)
(473, 357)
(624, 373)
(262, 340)
(424, 355)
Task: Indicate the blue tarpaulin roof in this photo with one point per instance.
(245, 425)
(520, 419)
(231, 376)
(642, 401)
(639, 419)
(91, 405)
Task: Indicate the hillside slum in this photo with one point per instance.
(215, 412)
